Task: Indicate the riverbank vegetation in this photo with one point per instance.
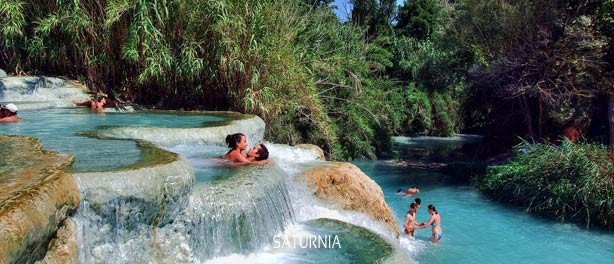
(502, 68)
(572, 182)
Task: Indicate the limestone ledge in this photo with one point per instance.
(36, 196)
(152, 194)
(252, 126)
(313, 148)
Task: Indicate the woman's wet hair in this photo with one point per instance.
(432, 207)
(233, 140)
(263, 153)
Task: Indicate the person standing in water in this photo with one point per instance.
(410, 220)
(237, 144)
(418, 201)
(434, 221)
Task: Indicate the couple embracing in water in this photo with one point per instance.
(237, 143)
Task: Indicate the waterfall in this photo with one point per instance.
(149, 215)
(296, 160)
(176, 206)
(240, 215)
(122, 209)
(33, 92)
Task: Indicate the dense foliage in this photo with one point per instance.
(547, 66)
(567, 182)
(426, 67)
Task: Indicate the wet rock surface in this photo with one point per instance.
(346, 186)
(36, 197)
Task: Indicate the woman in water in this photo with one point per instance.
(237, 144)
(435, 221)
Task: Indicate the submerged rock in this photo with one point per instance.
(346, 186)
(36, 197)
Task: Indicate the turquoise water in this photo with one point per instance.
(356, 245)
(206, 161)
(477, 229)
(57, 129)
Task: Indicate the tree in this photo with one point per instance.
(605, 22)
(318, 3)
(373, 15)
(417, 18)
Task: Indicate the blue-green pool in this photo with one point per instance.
(58, 130)
(477, 229)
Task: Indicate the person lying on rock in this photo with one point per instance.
(8, 113)
(95, 106)
(237, 143)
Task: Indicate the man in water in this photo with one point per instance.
(238, 143)
(417, 201)
(258, 152)
(8, 113)
(410, 219)
(411, 191)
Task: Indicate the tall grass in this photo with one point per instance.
(570, 182)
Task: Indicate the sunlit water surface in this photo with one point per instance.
(477, 229)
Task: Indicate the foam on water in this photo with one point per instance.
(338, 242)
(297, 160)
(238, 213)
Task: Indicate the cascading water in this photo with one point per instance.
(184, 208)
(39, 92)
(238, 215)
(227, 211)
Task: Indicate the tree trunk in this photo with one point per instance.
(527, 116)
(611, 119)
(540, 132)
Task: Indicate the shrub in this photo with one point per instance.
(567, 182)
